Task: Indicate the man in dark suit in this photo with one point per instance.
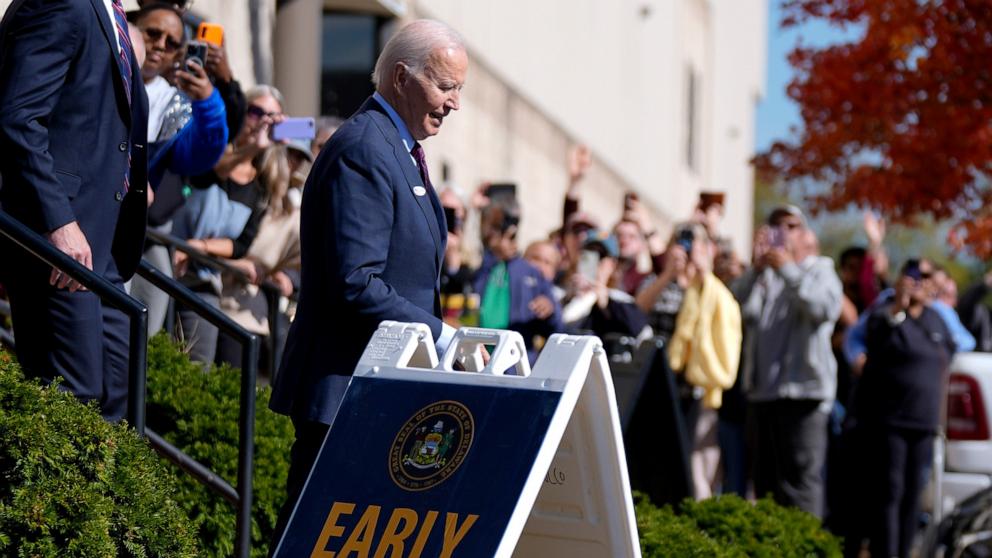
(372, 233)
(72, 132)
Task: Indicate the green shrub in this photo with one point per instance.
(728, 526)
(73, 485)
(198, 413)
(664, 534)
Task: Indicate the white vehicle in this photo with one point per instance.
(967, 455)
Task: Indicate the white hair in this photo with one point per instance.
(412, 46)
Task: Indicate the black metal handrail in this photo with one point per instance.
(242, 497)
(269, 289)
(33, 243)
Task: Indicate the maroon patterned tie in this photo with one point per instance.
(418, 155)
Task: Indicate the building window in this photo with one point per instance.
(351, 42)
(691, 118)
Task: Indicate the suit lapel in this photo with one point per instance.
(108, 33)
(420, 193)
(412, 177)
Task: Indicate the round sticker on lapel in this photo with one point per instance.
(419, 190)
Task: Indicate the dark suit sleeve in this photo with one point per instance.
(361, 202)
(39, 43)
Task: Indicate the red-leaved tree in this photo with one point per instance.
(899, 119)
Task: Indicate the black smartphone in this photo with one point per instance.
(502, 191)
(684, 239)
(196, 51)
(452, 219)
(912, 270)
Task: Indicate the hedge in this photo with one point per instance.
(728, 526)
(72, 484)
(198, 413)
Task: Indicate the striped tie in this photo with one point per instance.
(124, 61)
(125, 43)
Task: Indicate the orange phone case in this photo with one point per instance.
(212, 33)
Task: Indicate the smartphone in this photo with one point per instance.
(451, 217)
(196, 51)
(685, 239)
(212, 33)
(776, 237)
(502, 191)
(912, 269)
(294, 128)
(589, 265)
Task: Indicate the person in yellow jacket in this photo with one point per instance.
(706, 350)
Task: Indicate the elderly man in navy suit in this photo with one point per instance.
(372, 232)
(73, 120)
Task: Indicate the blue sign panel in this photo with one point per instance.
(419, 470)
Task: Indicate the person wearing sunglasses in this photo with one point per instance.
(855, 342)
(897, 409)
(225, 207)
(790, 300)
(187, 133)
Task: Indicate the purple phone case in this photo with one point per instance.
(293, 128)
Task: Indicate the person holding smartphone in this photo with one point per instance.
(187, 134)
(594, 302)
(225, 208)
(790, 300)
(897, 409)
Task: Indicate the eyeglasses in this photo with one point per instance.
(259, 112)
(153, 35)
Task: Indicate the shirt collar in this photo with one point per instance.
(401, 127)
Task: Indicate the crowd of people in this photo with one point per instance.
(797, 377)
(221, 184)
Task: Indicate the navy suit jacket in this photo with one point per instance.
(371, 251)
(66, 128)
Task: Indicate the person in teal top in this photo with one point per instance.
(515, 295)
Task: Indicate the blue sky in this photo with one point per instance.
(776, 113)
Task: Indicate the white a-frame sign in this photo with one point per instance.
(495, 460)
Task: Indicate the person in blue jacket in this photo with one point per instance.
(515, 294)
(187, 121)
(187, 134)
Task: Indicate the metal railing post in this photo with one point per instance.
(272, 296)
(137, 371)
(246, 417)
(246, 426)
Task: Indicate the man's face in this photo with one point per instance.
(544, 257)
(630, 240)
(793, 231)
(425, 99)
(163, 34)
